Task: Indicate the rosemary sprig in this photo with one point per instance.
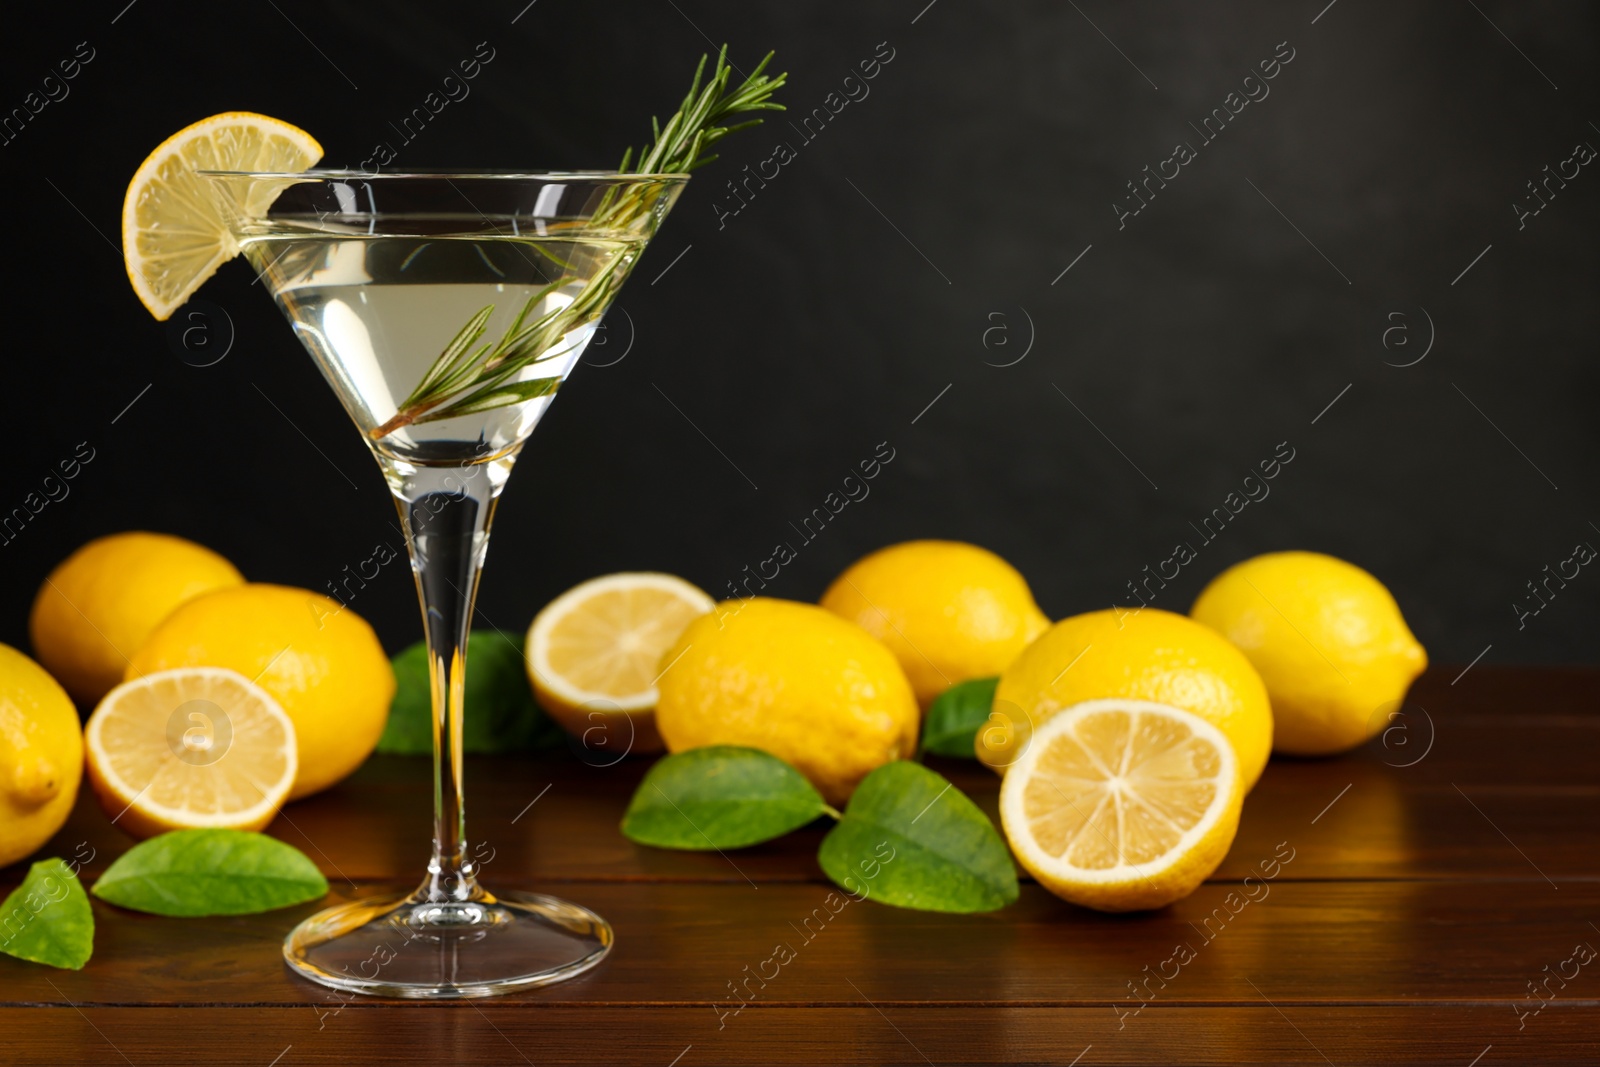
(470, 377)
(678, 148)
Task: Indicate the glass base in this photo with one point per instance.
(400, 945)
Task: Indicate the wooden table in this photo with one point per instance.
(1432, 879)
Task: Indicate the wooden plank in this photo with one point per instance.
(1357, 819)
(498, 1032)
(711, 945)
(1423, 898)
(1432, 802)
(1510, 691)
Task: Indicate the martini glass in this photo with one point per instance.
(445, 310)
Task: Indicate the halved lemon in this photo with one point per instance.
(594, 654)
(187, 748)
(173, 235)
(1122, 805)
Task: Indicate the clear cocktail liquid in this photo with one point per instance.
(376, 311)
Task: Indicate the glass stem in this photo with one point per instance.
(446, 512)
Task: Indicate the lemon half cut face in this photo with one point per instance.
(1122, 804)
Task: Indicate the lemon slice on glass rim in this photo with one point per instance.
(174, 236)
(1122, 805)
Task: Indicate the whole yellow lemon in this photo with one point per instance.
(1328, 639)
(316, 657)
(1139, 654)
(100, 604)
(41, 756)
(793, 680)
(949, 611)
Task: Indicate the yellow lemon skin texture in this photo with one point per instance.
(101, 603)
(1138, 654)
(1327, 638)
(318, 659)
(791, 679)
(41, 756)
(949, 611)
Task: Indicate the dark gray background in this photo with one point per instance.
(854, 289)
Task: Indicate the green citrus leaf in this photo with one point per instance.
(719, 797)
(47, 919)
(501, 715)
(910, 838)
(955, 717)
(210, 872)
